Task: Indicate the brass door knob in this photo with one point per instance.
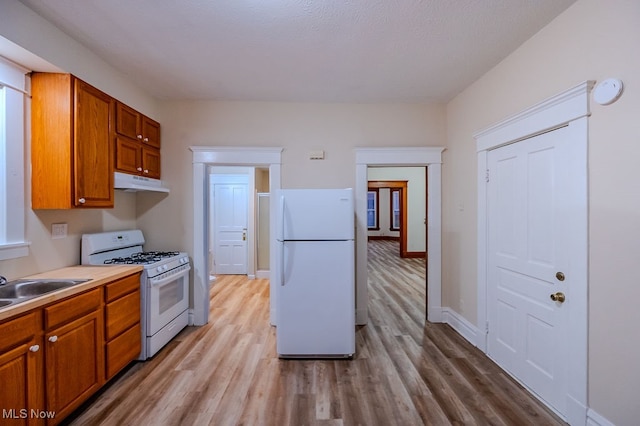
(558, 297)
(559, 276)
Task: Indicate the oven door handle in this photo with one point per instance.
(173, 277)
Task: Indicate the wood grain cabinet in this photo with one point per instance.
(53, 358)
(122, 324)
(21, 369)
(137, 143)
(72, 143)
(73, 351)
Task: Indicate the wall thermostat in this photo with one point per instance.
(607, 91)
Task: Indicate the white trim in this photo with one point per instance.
(430, 157)
(570, 108)
(13, 251)
(460, 324)
(13, 170)
(204, 156)
(595, 419)
(261, 275)
(13, 75)
(548, 114)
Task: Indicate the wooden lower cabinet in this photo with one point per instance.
(21, 370)
(74, 357)
(52, 359)
(122, 324)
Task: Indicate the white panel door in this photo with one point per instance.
(230, 227)
(529, 190)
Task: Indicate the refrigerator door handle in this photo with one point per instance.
(282, 241)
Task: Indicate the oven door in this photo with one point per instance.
(168, 298)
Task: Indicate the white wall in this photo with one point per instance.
(335, 128)
(592, 40)
(416, 202)
(21, 26)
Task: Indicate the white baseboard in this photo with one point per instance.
(595, 419)
(460, 324)
(263, 275)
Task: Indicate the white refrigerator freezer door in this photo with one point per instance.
(316, 300)
(316, 214)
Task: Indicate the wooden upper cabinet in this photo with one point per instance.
(137, 143)
(128, 121)
(72, 143)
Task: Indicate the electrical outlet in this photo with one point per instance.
(58, 230)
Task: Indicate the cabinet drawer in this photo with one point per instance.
(19, 330)
(72, 308)
(122, 314)
(121, 287)
(122, 350)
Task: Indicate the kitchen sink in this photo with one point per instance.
(24, 289)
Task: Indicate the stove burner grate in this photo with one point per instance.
(142, 258)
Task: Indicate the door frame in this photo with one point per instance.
(431, 158)
(203, 157)
(571, 109)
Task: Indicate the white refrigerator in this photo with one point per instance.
(315, 279)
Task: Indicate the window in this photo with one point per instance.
(372, 209)
(12, 125)
(394, 211)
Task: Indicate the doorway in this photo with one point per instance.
(203, 158)
(431, 158)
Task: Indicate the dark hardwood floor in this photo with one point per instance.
(404, 372)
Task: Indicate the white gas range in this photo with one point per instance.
(164, 283)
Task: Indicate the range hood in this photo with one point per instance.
(133, 183)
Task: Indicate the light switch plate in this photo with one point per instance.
(58, 230)
(316, 155)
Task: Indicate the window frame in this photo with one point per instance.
(14, 117)
(375, 209)
(393, 191)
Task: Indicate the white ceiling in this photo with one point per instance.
(302, 50)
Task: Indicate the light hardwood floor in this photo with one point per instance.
(404, 372)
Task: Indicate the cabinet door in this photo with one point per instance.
(128, 156)
(150, 132)
(21, 370)
(93, 147)
(74, 363)
(128, 122)
(151, 162)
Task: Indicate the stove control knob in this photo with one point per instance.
(165, 267)
(159, 269)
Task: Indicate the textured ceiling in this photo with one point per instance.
(302, 50)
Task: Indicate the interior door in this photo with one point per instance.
(230, 228)
(529, 277)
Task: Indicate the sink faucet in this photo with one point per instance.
(3, 280)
